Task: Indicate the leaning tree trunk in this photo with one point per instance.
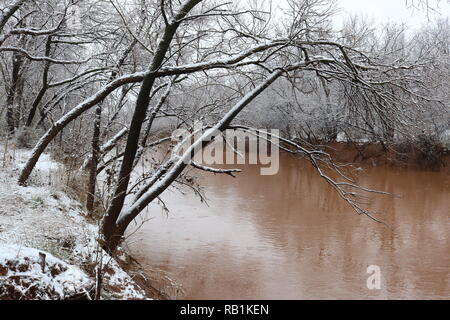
(59, 125)
(111, 232)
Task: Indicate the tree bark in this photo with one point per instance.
(90, 199)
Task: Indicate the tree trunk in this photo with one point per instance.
(11, 112)
(110, 231)
(90, 199)
(44, 87)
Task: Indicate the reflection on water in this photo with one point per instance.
(290, 236)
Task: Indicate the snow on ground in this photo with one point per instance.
(27, 273)
(40, 216)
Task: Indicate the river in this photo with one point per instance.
(289, 236)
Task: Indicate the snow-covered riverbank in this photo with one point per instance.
(42, 227)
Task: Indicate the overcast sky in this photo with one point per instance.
(393, 10)
(382, 11)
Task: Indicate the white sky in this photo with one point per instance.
(382, 11)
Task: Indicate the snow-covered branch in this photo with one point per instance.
(215, 170)
(41, 58)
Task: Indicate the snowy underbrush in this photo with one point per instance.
(27, 273)
(42, 220)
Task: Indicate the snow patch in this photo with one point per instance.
(27, 273)
(341, 137)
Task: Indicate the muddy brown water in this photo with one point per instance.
(289, 236)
